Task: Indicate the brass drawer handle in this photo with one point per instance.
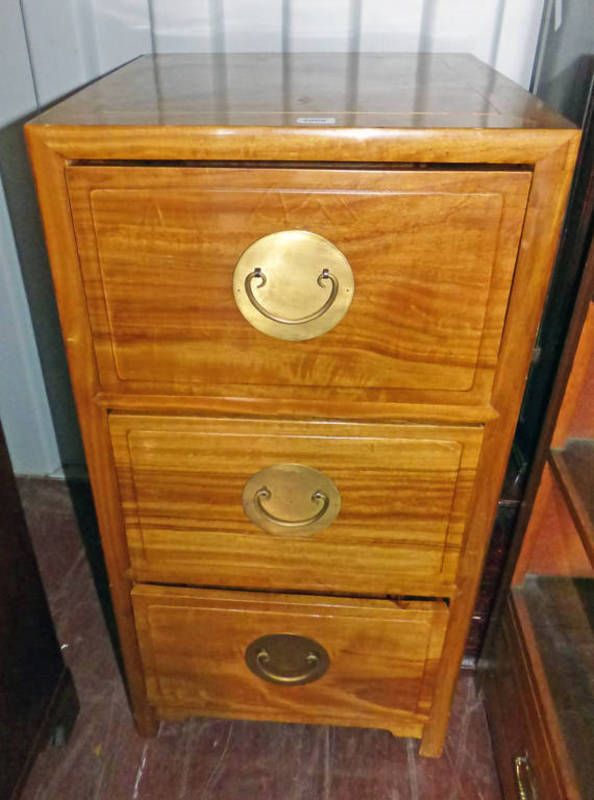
(265, 493)
(323, 276)
(525, 786)
(278, 499)
(283, 269)
(287, 659)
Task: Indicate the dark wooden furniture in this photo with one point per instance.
(539, 666)
(538, 659)
(172, 191)
(37, 697)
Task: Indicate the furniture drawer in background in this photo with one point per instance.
(404, 491)
(432, 254)
(380, 657)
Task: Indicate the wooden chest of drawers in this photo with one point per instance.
(299, 297)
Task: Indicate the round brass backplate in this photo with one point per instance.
(291, 500)
(287, 659)
(293, 285)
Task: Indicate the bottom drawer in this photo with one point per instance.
(342, 661)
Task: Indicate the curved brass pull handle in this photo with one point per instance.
(278, 499)
(265, 494)
(263, 659)
(287, 659)
(324, 275)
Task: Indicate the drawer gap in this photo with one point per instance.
(412, 598)
(395, 598)
(382, 166)
(191, 407)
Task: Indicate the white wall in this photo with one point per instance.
(24, 409)
(50, 47)
(501, 33)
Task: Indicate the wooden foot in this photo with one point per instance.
(407, 730)
(432, 742)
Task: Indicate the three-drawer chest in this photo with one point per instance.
(299, 295)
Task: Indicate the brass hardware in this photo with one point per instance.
(279, 499)
(526, 788)
(285, 303)
(296, 523)
(287, 659)
(323, 276)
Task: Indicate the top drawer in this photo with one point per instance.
(432, 255)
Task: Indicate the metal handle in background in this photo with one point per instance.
(287, 659)
(323, 276)
(526, 788)
(265, 493)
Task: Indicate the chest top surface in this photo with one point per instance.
(305, 90)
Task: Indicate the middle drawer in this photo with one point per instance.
(308, 506)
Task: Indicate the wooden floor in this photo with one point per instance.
(209, 759)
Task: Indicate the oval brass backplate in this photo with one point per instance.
(291, 500)
(287, 659)
(293, 285)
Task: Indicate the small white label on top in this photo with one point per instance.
(316, 120)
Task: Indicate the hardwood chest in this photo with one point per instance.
(299, 296)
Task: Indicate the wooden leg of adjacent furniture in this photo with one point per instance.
(146, 721)
(63, 711)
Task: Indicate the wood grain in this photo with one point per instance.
(158, 247)
(383, 656)
(405, 492)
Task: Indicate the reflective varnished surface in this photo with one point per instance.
(306, 90)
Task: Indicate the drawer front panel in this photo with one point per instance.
(381, 657)
(396, 498)
(432, 256)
